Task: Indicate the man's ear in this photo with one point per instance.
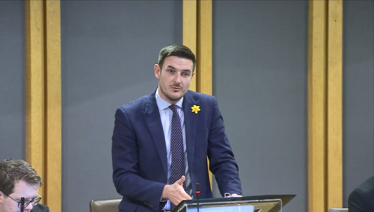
(157, 71)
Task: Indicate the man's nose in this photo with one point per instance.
(177, 78)
(29, 207)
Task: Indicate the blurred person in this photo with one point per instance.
(361, 199)
(19, 180)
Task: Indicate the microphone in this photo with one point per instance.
(22, 206)
(197, 192)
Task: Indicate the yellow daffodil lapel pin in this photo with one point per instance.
(195, 109)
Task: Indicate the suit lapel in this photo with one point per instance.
(152, 117)
(191, 120)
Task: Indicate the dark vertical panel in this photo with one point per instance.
(12, 79)
(108, 52)
(358, 94)
(260, 81)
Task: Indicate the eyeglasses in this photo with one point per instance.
(34, 201)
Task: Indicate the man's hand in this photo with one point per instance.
(175, 192)
(233, 195)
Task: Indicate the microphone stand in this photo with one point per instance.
(197, 192)
(22, 204)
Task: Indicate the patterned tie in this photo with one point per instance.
(177, 166)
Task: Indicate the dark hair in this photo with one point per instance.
(178, 51)
(13, 171)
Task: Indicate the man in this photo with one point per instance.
(19, 180)
(161, 141)
(362, 198)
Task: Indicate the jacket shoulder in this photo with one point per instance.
(40, 208)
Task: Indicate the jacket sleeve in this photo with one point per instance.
(40, 208)
(125, 161)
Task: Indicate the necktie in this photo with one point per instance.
(177, 167)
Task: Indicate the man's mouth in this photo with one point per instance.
(176, 88)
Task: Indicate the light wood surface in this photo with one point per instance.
(334, 109)
(53, 104)
(204, 47)
(43, 96)
(34, 50)
(325, 82)
(190, 30)
(317, 73)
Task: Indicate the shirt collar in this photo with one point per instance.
(163, 104)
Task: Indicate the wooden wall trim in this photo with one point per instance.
(334, 108)
(53, 104)
(317, 98)
(190, 30)
(34, 50)
(325, 82)
(204, 47)
(43, 96)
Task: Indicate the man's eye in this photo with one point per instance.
(186, 74)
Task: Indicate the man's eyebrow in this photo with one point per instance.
(170, 66)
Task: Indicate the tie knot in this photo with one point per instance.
(173, 108)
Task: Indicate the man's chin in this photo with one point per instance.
(174, 98)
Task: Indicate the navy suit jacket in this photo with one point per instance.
(362, 198)
(139, 151)
(40, 208)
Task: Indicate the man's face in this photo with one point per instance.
(21, 189)
(174, 78)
